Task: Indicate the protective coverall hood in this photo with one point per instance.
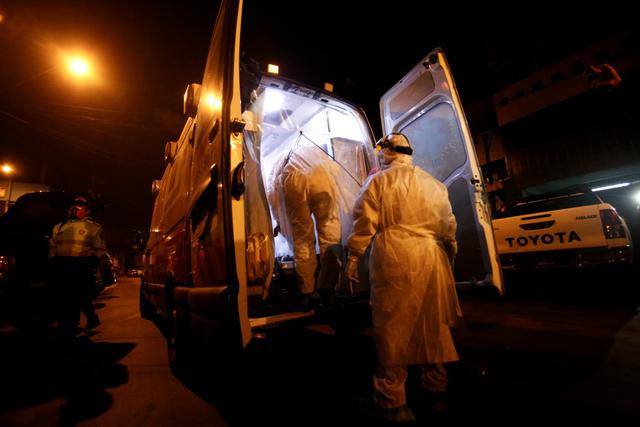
(387, 156)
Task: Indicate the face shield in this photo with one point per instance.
(390, 149)
(395, 142)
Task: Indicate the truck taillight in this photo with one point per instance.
(611, 224)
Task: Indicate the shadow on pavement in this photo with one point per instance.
(35, 370)
(293, 377)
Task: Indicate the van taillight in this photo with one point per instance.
(611, 224)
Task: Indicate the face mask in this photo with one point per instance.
(81, 212)
(385, 157)
(78, 212)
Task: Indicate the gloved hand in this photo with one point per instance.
(451, 248)
(352, 271)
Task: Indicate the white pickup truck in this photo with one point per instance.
(571, 229)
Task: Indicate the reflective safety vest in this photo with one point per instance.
(77, 238)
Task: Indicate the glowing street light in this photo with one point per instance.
(8, 170)
(76, 68)
(79, 67)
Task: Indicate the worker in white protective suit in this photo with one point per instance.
(405, 214)
(305, 189)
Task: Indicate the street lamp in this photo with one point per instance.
(79, 67)
(8, 170)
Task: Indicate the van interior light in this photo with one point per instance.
(273, 100)
(612, 186)
(273, 69)
(328, 86)
(636, 197)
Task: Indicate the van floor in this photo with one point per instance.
(282, 297)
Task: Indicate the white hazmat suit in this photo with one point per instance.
(305, 190)
(406, 214)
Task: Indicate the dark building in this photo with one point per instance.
(553, 129)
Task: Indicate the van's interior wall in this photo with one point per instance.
(277, 122)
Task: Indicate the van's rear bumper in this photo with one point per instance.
(575, 258)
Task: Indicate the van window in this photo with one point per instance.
(438, 146)
(411, 96)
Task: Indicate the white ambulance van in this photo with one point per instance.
(213, 269)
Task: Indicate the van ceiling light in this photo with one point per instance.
(610, 187)
(273, 69)
(636, 197)
(328, 86)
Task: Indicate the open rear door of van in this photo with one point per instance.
(217, 302)
(425, 106)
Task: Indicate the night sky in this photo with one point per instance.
(110, 135)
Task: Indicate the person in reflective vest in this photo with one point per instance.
(75, 248)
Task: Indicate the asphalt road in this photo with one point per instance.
(544, 354)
